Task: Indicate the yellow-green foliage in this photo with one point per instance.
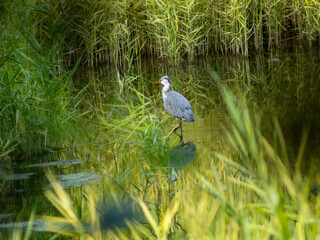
(118, 30)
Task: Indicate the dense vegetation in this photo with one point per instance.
(248, 187)
(115, 31)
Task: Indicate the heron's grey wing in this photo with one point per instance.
(171, 104)
(178, 106)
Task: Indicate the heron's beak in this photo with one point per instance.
(158, 81)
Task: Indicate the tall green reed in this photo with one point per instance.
(36, 90)
(116, 31)
(133, 124)
(272, 187)
(306, 18)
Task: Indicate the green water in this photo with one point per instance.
(283, 86)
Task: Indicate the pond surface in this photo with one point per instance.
(285, 86)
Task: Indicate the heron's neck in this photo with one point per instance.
(165, 89)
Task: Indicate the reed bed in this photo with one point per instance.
(36, 90)
(116, 31)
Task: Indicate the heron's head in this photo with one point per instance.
(165, 81)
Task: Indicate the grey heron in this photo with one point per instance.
(175, 103)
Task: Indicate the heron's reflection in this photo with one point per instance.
(114, 211)
(180, 156)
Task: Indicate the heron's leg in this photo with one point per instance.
(181, 136)
(175, 130)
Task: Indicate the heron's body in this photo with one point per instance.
(175, 103)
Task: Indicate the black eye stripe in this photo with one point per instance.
(166, 78)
